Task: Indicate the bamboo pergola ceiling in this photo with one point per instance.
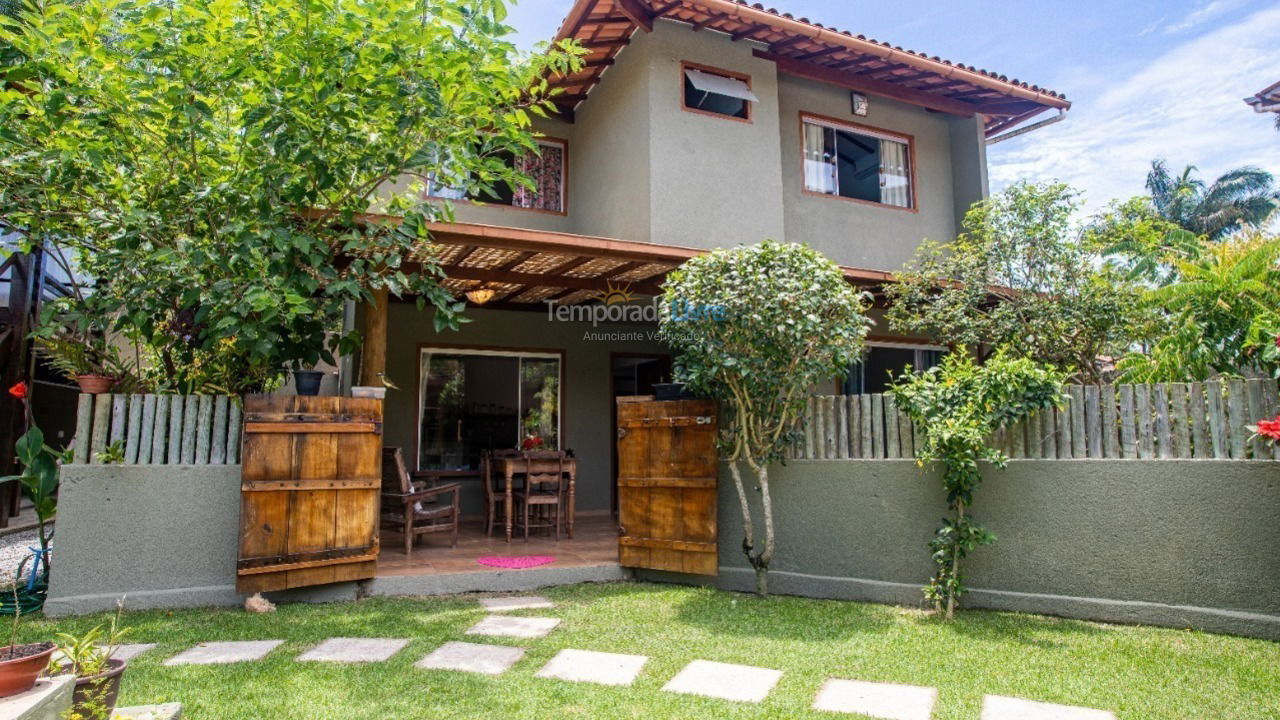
(807, 49)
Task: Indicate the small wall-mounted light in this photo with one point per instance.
(859, 102)
(480, 296)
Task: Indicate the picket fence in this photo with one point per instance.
(158, 429)
(1206, 421)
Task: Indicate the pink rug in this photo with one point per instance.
(515, 562)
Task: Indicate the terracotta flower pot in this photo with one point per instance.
(19, 674)
(95, 384)
(99, 690)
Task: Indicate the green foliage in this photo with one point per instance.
(755, 327)
(41, 467)
(958, 405)
(211, 162)
(1239, 198)
(1139, 243)
(1220, 315)
(88, 655)
(1019, 277)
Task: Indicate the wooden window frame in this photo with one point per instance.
(492, 351)
(564, 184)
(688, 65)
(837, 124)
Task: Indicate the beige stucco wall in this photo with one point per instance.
(715, 181)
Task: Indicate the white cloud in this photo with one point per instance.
(1184, 106)
(1202, 14)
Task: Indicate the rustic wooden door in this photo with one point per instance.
(667, 485)
(310, 478)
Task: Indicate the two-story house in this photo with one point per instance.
(694, 124)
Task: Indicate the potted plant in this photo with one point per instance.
(98, 674)
(304, 350)
(20, 665)
(73, 337)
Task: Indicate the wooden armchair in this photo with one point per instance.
(540, 502)
(494, 495)
(413, 510)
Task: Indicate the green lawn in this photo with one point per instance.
(1136, 672)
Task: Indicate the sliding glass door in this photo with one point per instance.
(476, 400)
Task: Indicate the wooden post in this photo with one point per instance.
(373, 361)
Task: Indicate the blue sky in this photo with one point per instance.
(1147, 78)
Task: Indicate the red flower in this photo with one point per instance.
(1270, 428)
(533, 442)
(19, 391)
(1278, 340)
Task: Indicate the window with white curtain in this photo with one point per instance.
(854, 162)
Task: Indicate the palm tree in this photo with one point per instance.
(1239, 198)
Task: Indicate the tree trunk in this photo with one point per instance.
(955, 564)
(766, 556)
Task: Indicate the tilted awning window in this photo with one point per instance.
(720, 85)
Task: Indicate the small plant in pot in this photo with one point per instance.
(98, 674)
(304, 350)
(20, 665)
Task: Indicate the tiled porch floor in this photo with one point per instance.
(595, 542)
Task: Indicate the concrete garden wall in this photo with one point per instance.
(1169, 542)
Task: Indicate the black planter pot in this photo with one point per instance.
(307, 382)
(668, 391)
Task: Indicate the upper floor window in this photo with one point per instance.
(858, 163)
(717, 92)
(546, 169)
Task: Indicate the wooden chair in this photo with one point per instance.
(543, 489)
(494, 492)
(414, 510)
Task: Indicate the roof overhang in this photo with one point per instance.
(806, 49)
(526, 269)
(1266, 100)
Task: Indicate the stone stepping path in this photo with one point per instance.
(594, 667)
(878, 700)
(725, 681)
(472, 657)
(517, 627)
(507, 604)
(997, 707)
(354, 650)
(221, 653)
(132, 650)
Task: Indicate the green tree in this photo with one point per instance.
(1019, 276)
(1141, 244)
(958, 405)
(1239, 198)
(754, 328)
(1221, 315)
(210, 162)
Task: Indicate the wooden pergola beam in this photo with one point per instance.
(599, 284)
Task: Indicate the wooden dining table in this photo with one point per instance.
(510, 467)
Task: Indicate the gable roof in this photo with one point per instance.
(807, 49)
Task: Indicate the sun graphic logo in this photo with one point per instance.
(614, 294)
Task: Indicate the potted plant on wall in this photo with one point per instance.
(74, 337)
(303, 347)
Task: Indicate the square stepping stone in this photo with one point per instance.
(353, 650)
(507, 604)
(131, 651)
(595, 667)
(221, 653)
(998, 707)
(878, 700)
(725, 681)
(167, 711)
(520, 627)
(472, 657)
